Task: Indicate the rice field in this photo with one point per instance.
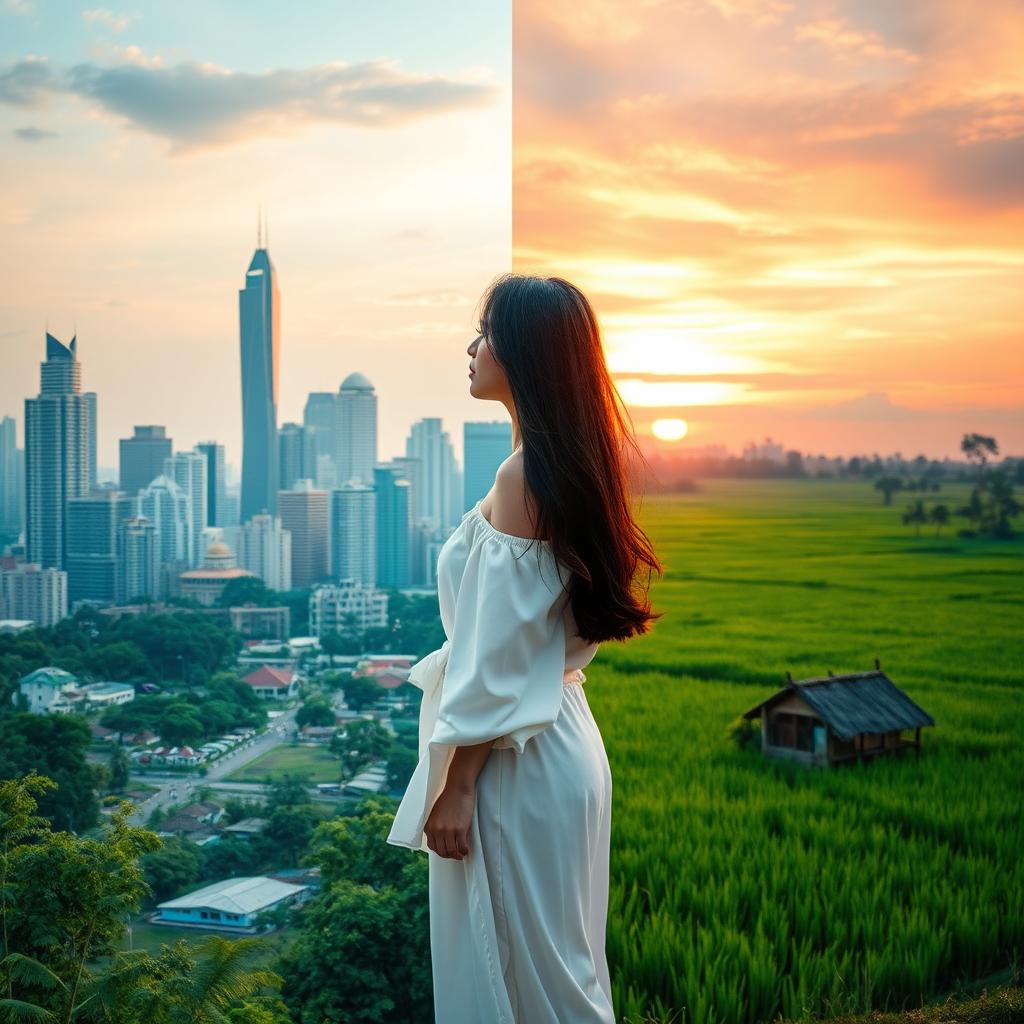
(744, 888)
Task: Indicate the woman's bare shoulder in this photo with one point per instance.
(513, 508)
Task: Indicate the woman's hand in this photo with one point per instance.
(447, 826)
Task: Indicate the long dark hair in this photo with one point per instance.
(575, 429)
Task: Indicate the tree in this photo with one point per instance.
(316, 711)
(361, 691)
(289, 830)
(939, 515)
(64, 901)
(401, 764)
(888, 485)
(342, 967)
(181, 724)
(977, 448)
(359, 744)
(57, 746)
(119, 768)
(246, 590)
(288, 790)
(172, 868)
(916, 515)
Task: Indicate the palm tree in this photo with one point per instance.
(915, 514)
(939, 515)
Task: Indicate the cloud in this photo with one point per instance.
(20, 7)
(115, 22)
(32, 134)
(196, 105)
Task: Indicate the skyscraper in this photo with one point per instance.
(216, 489)
(297, 455)
(188, 471)
(10, 492)
(305, 513)
(94, 527)
(59, 440)
(394, 495)
(353, 533)
(265, 549)
(142, 458)
(319, 420)
(485, 446)
(140, 559)
(356, 430)
(259, 317)
(168, 508)
(436, 491)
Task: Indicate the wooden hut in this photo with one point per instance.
(834, 719)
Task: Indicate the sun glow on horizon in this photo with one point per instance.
(670, 429)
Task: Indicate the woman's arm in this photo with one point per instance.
(447, 825)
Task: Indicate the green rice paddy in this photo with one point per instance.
(743, 888)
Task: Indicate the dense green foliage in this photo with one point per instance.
(743, 887)
(363, 954)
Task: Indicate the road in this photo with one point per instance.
(180, 789)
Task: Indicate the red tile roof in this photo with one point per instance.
(270, 677)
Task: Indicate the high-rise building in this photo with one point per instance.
(436, 491)
(355, 429)
(188, 471)
(353, 540)
(94, 527)
(393, 527)
(59, 437)
(216, 484)
(319, 419)
(296, 455)
(140, 560)
(305, 514)
(142, 458)
(265, 549)
(34, 594)
(167, 506)
(259, 317)
(335, 608)
(10, 484)
(485, 446)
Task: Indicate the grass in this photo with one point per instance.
(744, 889)
(316, 762)
(151, 937)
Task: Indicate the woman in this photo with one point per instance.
(512, 794)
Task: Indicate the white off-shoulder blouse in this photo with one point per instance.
(511, 644)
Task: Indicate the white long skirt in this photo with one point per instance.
(517, 927)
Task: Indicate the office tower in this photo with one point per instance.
(436, 494)
(259, 317)
(393, 527)
(10, 492)
(142, 458)
(91, 436)
(33, 594)
(188, 471)
(93, 529)
(319, 419)
(140, 560)
(356, 430)
(353, 547)
(305, 514)
(296, 455)
(58, 437)
(216, 484)
(265, 549)
(485, 446)
(167, 506)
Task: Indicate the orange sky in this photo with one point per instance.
(796, 219)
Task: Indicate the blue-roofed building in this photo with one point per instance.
(233, 904)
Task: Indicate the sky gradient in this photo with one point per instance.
(796, 219)
(137, 146)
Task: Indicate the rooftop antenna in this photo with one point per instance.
(259, 226)
(266, 232)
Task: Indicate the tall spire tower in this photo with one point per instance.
(259, 318)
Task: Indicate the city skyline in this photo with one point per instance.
(137, 153)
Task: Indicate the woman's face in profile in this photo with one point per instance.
(486, 378)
